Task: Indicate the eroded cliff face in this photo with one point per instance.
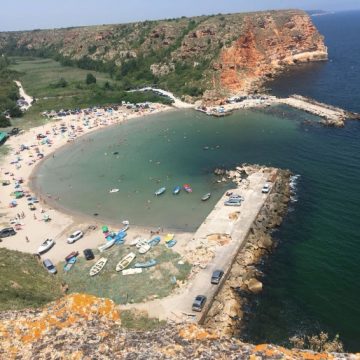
(268, 44)
(85, 327)
(208, 56)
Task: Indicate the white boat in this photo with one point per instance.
(141, 243)
(126, 222)
(132, 271)
(144, 249)
(96, 268)
(125, 262)
(46, 245)
(135, 241)
(125, 228)
(107, 245)
(113, 191)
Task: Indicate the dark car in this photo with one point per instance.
(50, 267)
(89, 255)
(7, 232)
(216, 276)
(199, 303)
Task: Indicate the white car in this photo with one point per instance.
(75, 236)
(265, 189)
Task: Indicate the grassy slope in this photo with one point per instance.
(24, 282)
(37, 75)
(152, 282)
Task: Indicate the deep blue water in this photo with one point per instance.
(313, 278)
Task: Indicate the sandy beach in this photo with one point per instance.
(27, 150)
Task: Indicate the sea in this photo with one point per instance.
(312, 280)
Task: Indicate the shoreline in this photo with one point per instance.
(33, 229)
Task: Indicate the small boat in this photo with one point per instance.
(132, 271)
(98, 266)
(187, 188)
(140, 243)
(125, 262)
(150, 263)
(169, 237)
(46, 245)
(114, 191)
(144, 249)
(160, 191)
(70, 263)
(232, 203)
(120, 236)
(71, 255)
(176, 190)
(206, 197)
(154, 241)
(126, 222)
(107, 245)
(171, 243)
(135, 241)
(125, 228)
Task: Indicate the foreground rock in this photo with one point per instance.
(85, 327)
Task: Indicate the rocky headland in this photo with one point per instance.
(206, 57)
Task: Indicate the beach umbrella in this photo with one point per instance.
(105, 229)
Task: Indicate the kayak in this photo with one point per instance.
(69, 264)
(176, 190)
(171, 243)
(154, 241)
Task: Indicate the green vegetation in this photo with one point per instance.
(24, 282)
(135, 320)
(57, 87)
(9, 93)
(155, 282)
(90, 79)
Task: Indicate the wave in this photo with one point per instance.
(293, 188)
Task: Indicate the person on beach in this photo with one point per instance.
(27, 239)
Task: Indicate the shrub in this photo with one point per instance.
(4, 121)
(90, 79)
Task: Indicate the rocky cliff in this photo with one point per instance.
(209, 56)
(85, 327)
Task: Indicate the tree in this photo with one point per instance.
(4, 121)
(90, 79)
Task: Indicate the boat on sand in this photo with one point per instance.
(125, 262)
(176, 190)
(171, 243)
(96, 268)
(46, 245)
(132, 271)
(169, 237)
(70, 263)
(114, 191)
(144, 248)
(154, 241)
(150, 263)
(107, 245)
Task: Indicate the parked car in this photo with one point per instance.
(265, 189)
(89, 255)
(75, 236)
(216, 276)
(199, 303)
(50, 267)
(7, 232)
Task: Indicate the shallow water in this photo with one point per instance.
(313, 278)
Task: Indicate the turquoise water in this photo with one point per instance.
(312, 279)
(156, 151)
